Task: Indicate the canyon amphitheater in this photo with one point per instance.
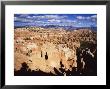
(45, 49)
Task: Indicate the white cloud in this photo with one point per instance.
(80, 17)
(94, 16)
(54, 20)
(22, 19)
(24, 15)
(68, 21)
(87, 18)
(15, 18)
(54, 17)
(40, 18)
(36, 21)
(48, 17)
(29, 17)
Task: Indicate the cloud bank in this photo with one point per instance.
(76, 20)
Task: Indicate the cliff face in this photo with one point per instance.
(48, 50)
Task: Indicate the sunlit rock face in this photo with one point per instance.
(47, 50)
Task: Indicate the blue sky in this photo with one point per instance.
(76, 20)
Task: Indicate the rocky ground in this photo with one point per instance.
(39, 51)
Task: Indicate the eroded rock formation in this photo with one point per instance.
(53, 50)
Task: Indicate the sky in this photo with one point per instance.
(75, 20)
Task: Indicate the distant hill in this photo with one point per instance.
(57, 26)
